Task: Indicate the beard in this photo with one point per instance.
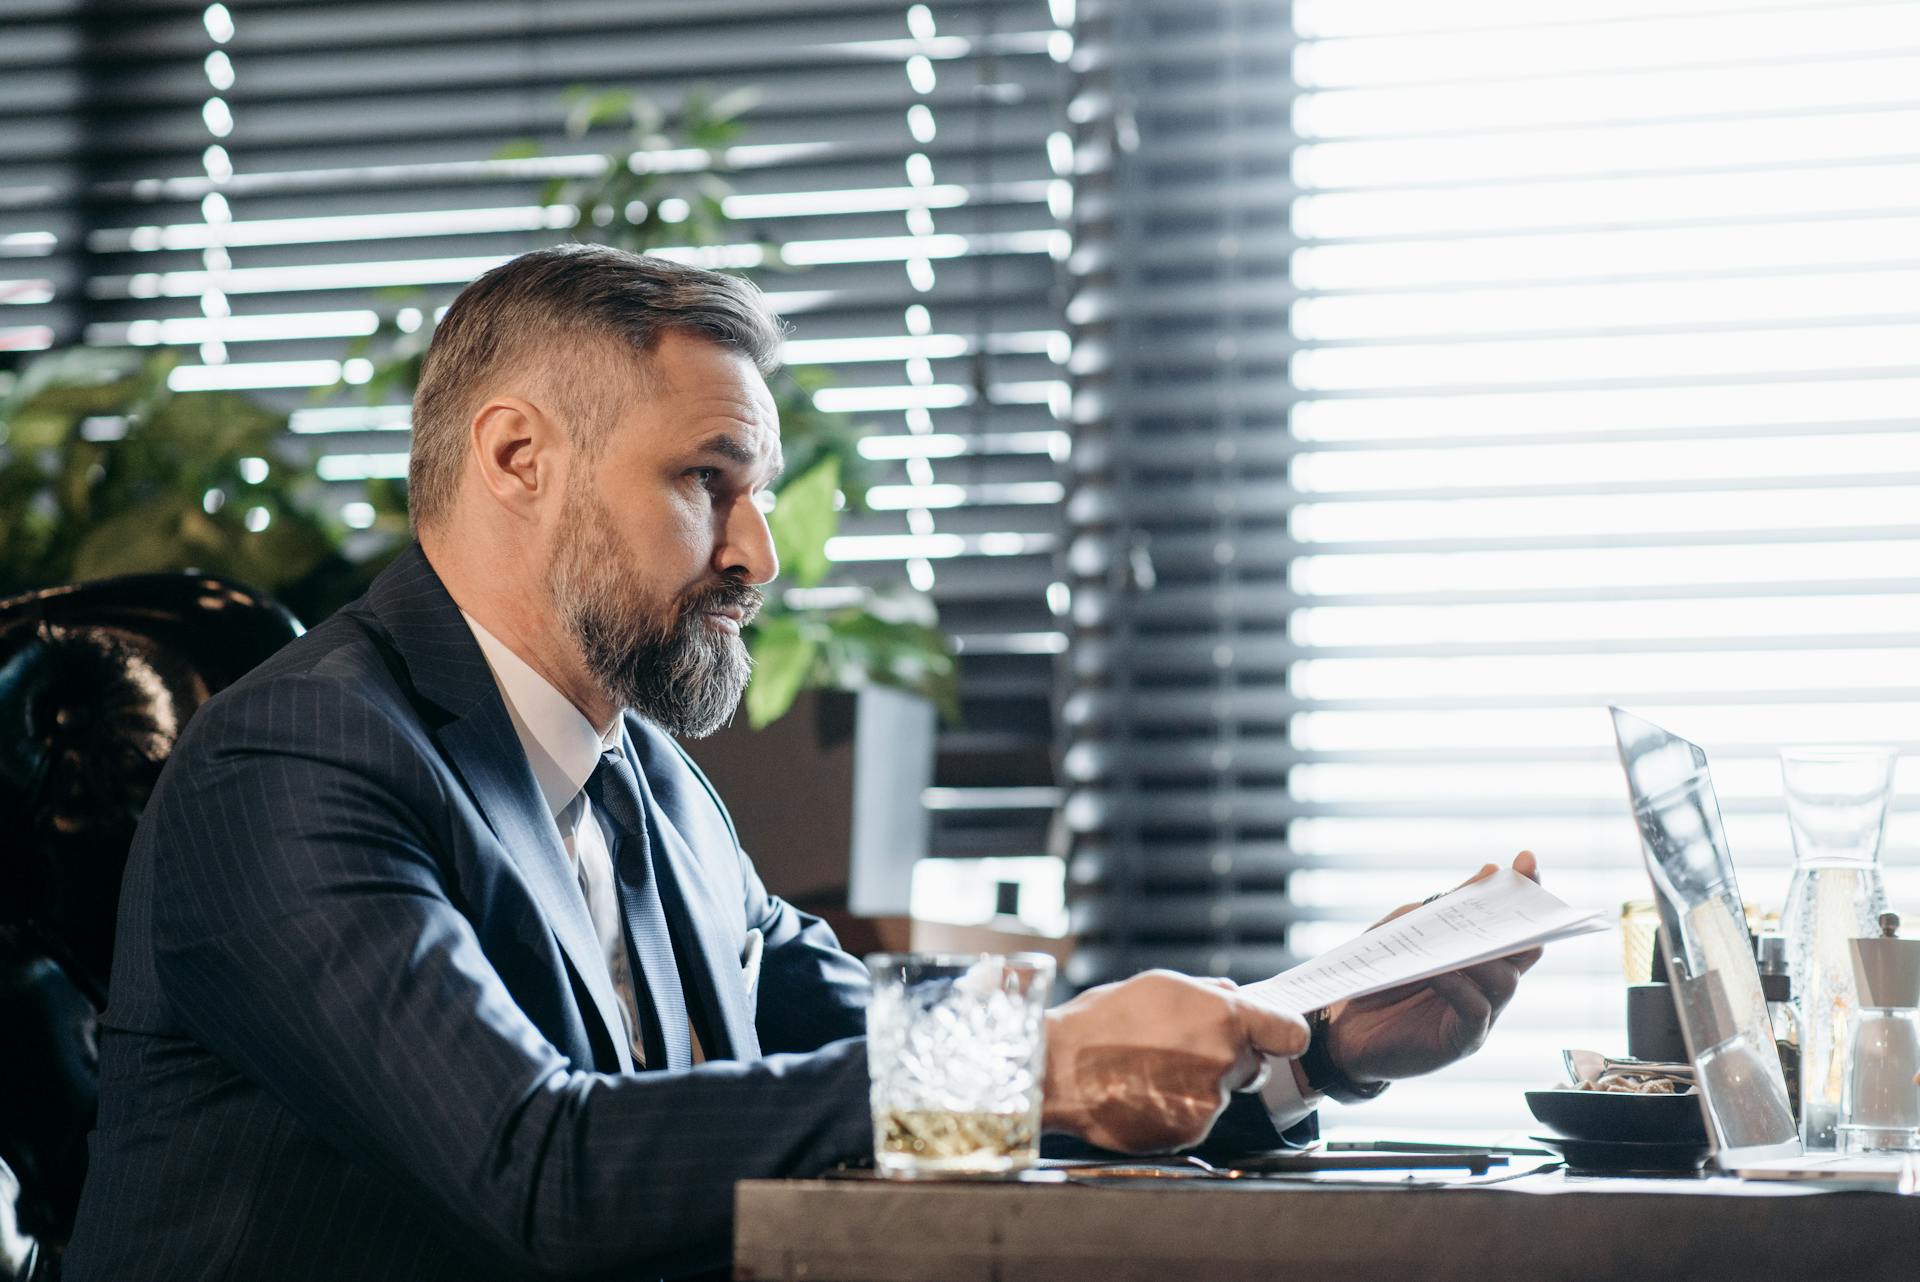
(661, 659)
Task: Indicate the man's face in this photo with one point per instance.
(661, 540)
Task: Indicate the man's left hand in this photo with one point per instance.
(1420, 1027)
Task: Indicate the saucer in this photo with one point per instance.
(1683, 1158)
(1609, 1116)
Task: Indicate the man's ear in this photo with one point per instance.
(517, 452)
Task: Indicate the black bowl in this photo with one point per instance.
(1616, 1116)
(1626, 1157)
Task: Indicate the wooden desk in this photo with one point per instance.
(1542, 1226)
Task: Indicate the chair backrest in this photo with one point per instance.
(96, 681)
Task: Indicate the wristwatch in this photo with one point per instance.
(1323, 1075)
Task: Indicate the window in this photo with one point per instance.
(1566, 356)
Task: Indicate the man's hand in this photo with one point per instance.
(1421, 1027)
(1146, 1065)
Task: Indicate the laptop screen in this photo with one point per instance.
(1723, 1011)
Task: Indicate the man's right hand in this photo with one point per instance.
(1146, 1065)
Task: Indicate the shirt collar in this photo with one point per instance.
(562, 746)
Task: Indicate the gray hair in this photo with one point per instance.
(532, 316)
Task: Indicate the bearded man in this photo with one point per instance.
(438, 958)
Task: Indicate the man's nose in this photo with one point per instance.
(746, 544)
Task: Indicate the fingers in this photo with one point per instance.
(1468, 1000)
(1527, 866)
(1386, 999)
(1401, 911)
(1486, 871)
(1278, 1033)
(1524, 961)
(1146, 1064)
(1524, 863)
(1260, 1076)
(1497, 980)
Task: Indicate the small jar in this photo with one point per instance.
(1770, 951)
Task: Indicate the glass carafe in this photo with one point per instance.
(1837, 806)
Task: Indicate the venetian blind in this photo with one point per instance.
(242, 181)
(45, 80)
(1581, 365)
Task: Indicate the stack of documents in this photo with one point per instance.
(1495, 917)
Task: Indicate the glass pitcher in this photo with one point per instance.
(1837, 806)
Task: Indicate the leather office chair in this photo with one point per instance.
(96, 681)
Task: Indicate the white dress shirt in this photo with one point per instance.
(564, 749)
(1281, 1094)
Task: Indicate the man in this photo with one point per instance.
(432, 943)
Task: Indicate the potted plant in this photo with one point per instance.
(106, 470)
(665, 183)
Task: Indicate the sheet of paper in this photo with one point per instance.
(1497, 917)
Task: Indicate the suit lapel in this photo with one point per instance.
(445, 664)
(688, 899)
(485, 750)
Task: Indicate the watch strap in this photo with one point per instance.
(1323, 1075)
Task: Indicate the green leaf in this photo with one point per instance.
(783, 658)
(713, 137)
(149, 537)
(803, 519)
(735, 103)
(518, 149)
(49, 398)
(599, 108)
(808, 435)
(217, 423)
(861, 647)
(647, 116)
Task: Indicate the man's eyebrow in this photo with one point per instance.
(732, 448)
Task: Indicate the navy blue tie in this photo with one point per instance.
(614, 788)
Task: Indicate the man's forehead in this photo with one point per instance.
(746, 443)
(740, 406)
(749, 407)
(702, 389)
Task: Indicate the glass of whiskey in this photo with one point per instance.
(956, 1050)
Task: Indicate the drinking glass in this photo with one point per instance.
(1639, 929)
(956, 1050)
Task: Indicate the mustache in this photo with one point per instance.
(725, 595)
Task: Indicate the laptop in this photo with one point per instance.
(1716, 984)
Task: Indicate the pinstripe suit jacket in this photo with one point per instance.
(359, 1026)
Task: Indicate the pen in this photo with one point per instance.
(1416, 1146)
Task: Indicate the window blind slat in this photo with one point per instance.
(254, 226)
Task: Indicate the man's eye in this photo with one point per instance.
(705, 475)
